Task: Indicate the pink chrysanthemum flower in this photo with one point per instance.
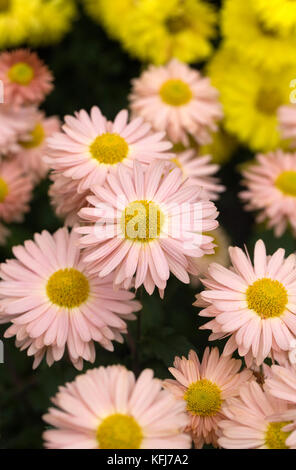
(65, 198)
(199, 171)
(108, 408)
(54, 302)
(146, 223)
(176, 99)
(205, 388)
(25, 78)
(254, 305)
(91, 147)
(34, 147)
(250, 421)
(15, 124)
(282, 384)
(15, 192)
(287, 120)
(271, 190)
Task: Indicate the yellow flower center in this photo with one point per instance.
(4, 5)
(175, 92)
(286, 182)
(177, 23)
(142, 221)
(275, 438)
(267, 297)
(109, 149)
(268, 101)
(203, 398)
(67, 288)
(21, 73)
(119, 431)
(3, 190)
(37, 137)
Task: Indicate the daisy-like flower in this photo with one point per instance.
(250, 102)
(15, 192)
(65, 198)
(108, 408)
(253, 40)
(146, 224)
(205, 388)
(176, 99)
(54, 302)
(156, 31)
(277, 14)
(34, 147)
(90, 147)
(271, 190)
(250, 421)
(199, 171)
(15, 126)
(26, 79)
(254, 305)
(287, 122)
(220, 255)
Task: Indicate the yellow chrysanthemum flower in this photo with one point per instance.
(111, 14)
(251, 99)
(278, 14)
(53, 20)
(157, 31)
(256, 43)
(14, 21)
(221, 148)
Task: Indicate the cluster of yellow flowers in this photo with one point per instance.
(34, 22)
(254, 68)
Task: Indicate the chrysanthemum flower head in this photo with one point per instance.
(146, 223)
(271, 190)
(54, 303)
(15, 126)
(90, 147)
(250, 421)
(34, 147)
(199, 171)
(279, 15)
(156, 31)
(108, 408)
(253, 40)
(25, 78)
(15, 192)
(287, 123)
(51, 21)
(15, 21)
(250, 102)
(205, 387)
(252, 304)
(176, 99)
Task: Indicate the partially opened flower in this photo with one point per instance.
(65, 198)
(253, 305)
(175, 98)
(90, 147)
(205, 387)
(199, 171)
(15, 192)
(287, 122)
(25, 78)
(250, 421)
(108, 408)
(15, 125)
(271, 190)
(34, 147)
(146, 223)
(55, 304)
